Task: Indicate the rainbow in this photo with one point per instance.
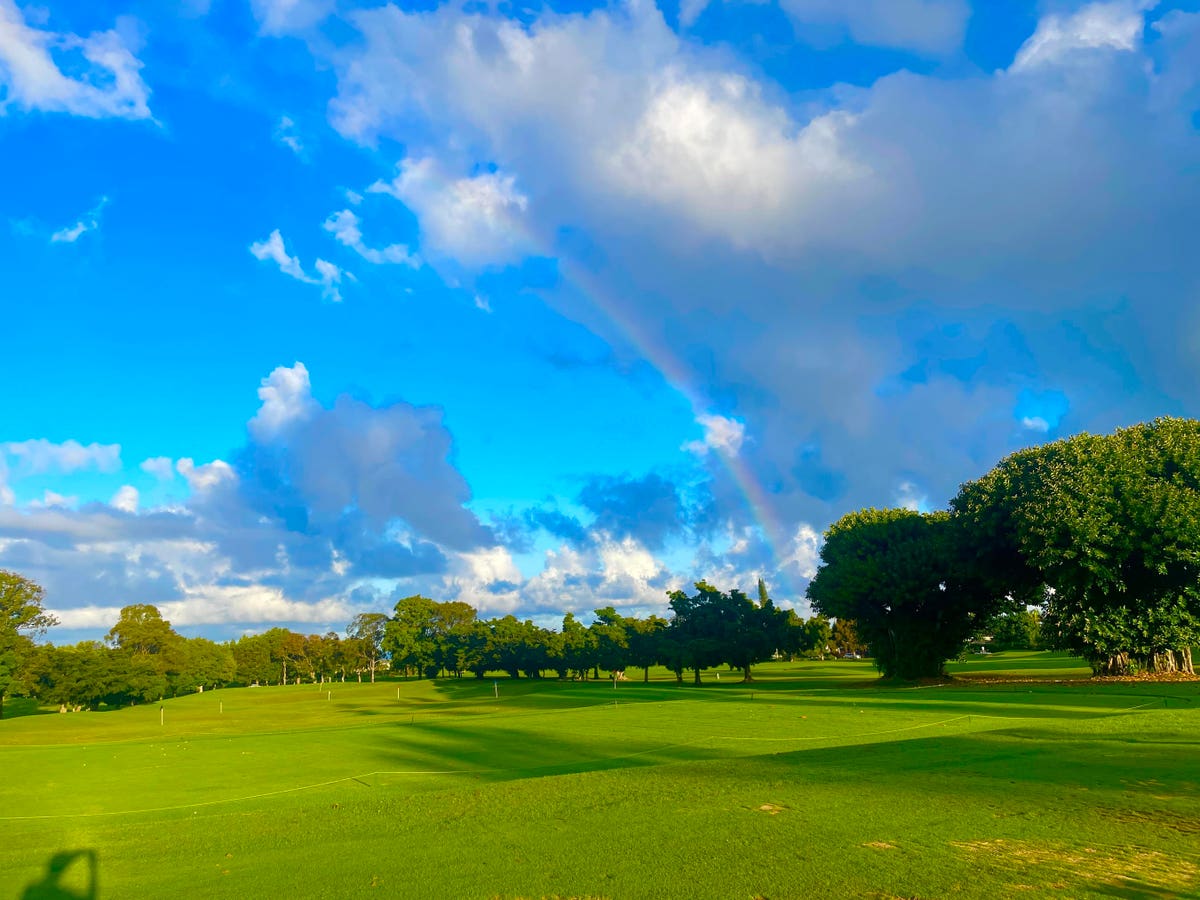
(662, 358)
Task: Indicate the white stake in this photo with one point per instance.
(161, 716)
(496, 689)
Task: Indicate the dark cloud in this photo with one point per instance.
(649, 508)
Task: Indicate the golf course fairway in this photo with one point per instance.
(1023, 778)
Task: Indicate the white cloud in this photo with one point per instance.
(106, 83)
(329, 276)
(280, 17)
(53, 500)
(925, 26)
(286, 396)
(910, 496)
(206, 476)
(285, 133)
(712, 150)
(1097, 26)
(690, 10)
(273, 249)
(41, 455)
(343, 225)
(90, 221)
(722, 434)
(125, 499)
(1036, 423)
(804, 554)
(161, 467)
(478, 221)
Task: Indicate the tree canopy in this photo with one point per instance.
(21, 615)
(1110, 525)
(902, 577)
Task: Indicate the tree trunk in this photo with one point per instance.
(1185, 660)
(646, 675)
(372, 671)
(1118, 664)
(697, 678)
(746, 676)
(1, 704)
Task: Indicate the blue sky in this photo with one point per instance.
(310, 305)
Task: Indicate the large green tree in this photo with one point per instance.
(21, 614)
(905, 579)
(1111, 526)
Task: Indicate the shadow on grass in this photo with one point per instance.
(70, 875)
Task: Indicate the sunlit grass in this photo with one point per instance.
(809, 781)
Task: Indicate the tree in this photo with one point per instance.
(611, 638)
(645, 642)
(844, 639)
(21, 614)
(715, 627)
(817, 636)
(409, 635)
(141, 630)
(903, 578)
(578, 647)
(1020, 630)
(371, 628)
(1106, 531)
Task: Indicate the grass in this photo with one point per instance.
(810, 782)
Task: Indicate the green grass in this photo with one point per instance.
(813, 781)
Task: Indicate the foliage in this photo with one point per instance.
(1016, 630)
(370, 628)
(21, 614)
(902, 577)
(1111, 525)
(714, 627)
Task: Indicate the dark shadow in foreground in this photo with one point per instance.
(70, 875)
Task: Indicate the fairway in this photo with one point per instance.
(810, 782)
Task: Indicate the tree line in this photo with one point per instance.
(1099, 534)
(143, 659)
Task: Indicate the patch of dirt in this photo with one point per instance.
(771, 809)
(1118, 867)
(879, 845)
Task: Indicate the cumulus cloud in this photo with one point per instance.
(104, 82)
(649, 508)
(125, 499)
(206, 476)
(286, 396)
(344, 226)
(477, 220)
(321, 502)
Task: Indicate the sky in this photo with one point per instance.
(311, 305)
